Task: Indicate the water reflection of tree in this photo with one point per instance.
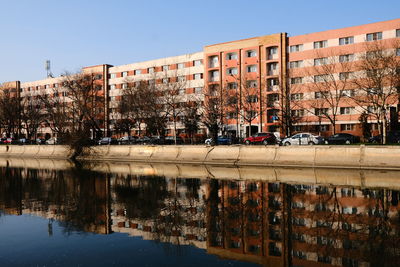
(145, 199)
(169, 205)
(78, 199)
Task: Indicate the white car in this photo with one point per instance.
(303, 139)
(51, 141)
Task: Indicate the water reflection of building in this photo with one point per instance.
(178, 218)
(303, 225)
(79, 203)
(274, 224)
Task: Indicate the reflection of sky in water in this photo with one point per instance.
(25, 241)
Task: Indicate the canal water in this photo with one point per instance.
(141, 216)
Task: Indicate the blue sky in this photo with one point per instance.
(77, 33)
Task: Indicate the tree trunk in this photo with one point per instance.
(175, 130)
(384, 129)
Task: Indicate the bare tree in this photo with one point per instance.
(9, 111)
(56, 110)
(86, 103)
(329, 87)
(246, 100)
(213, 113)
(132, 107)
(191, 118)
(32, 115)
(174, 96)
(378, 82)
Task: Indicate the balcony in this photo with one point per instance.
(273, 72)
(273, 88)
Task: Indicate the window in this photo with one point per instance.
(347, 127)
(296, 48)
(320, 61)
(124, 85)
(165, 67)
(213, 61)
(346, 40)
(182, 91)
(347, 93)
(296, 64)
(198, 76)
(273, 50)
(374, 36)
(251, 53)
(252, 99)
(320, 44)
(321, 111)
(181, 65)
(346, 110)
(232, 71)
(232, 85)
(373, 91)
(150, 70)
(252, 68)
(322, 128)
(298, 112)
(252, 84)
(298, 96)
(319, 95)
(55, 85)
(346, 58)
(138, 72)
(197, 62)
(112, 87)
(113, 75)
(214, 75)
(398, 52)
(231, 56)
(296, 80)
(321, 78)
(198, 90)
(231, 115)
(124, 74)
(181, 78)
(232, 100)
(165, 80)
(272, 66)
(47, 86)
(345, 76)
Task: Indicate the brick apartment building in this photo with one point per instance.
(269, 83)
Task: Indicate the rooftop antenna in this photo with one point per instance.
(48, 71)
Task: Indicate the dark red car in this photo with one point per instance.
(261, 138)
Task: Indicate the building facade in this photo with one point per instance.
(276, 83)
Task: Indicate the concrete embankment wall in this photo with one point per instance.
(35, 151)
(381, 157)
(374, 157)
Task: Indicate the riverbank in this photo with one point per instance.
(322, 176)
(356, 157)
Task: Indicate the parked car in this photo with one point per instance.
(126, 140)
(108, 141)
(261, 138)
(52, 141)
(25, 141)
(392, 137)
(342, 138)
(170, 140)
(143, 140)
(221, 140)
(40, 141)
(7, 140)
(303, 139)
